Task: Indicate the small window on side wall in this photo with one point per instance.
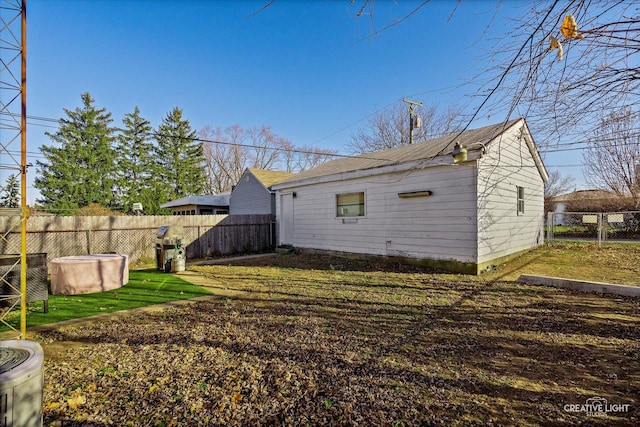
(350, 204)
(520, 200)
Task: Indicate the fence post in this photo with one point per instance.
(600, 228)
(88, 242)
(272, 234)
(550, 219)
(200, 251)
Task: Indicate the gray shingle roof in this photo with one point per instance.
(269, 177)
(442, 146)
(206, 200)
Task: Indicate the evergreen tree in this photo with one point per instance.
(136, 166)
(180, 158)
(81, 169)
(11, 193)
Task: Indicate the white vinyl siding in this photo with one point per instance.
(502, 228)
(440, 226)
(251, 197)
(466, 212)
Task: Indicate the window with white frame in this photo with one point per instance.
(520, 200)
(350, 204)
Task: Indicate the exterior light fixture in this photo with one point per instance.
(459, 153)
(409, 194)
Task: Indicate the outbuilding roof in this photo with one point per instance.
(208, 200)
(269, 177)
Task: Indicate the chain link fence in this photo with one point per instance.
(594, 226)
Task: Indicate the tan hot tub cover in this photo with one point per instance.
(85, 274)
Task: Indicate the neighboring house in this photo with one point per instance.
(200, 205)
(253, 194)
(587, 201)
(415, 204)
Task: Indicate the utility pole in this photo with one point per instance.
(414, 121)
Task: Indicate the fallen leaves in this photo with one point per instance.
(328, 347)
(76, 400)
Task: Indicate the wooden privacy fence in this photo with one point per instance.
(136, 236)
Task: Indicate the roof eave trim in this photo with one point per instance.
(363, 173)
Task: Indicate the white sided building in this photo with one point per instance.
(416, 204)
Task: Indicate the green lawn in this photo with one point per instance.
(615, 264)
(303, 339)
(145, 287)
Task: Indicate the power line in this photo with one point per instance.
(356, 122)
(235, 144)
(15, 115)
(31, 123)
(156, 134)
(567, 146)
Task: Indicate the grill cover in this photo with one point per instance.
(170, 235)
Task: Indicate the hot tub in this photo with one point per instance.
(86, 274)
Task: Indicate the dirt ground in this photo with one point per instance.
(290, 340)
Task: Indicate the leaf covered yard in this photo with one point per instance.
(327, 341)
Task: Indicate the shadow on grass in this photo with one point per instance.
(469, 359)
(418, 347)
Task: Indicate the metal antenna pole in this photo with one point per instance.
(412, 105)
(23, 176)
(13, 126)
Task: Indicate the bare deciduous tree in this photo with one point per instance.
(611, 162)
(265, 147)
(226, 159)
(228, 152)
(555, 186)
(304, 157)
(390, 128)
(563, 63)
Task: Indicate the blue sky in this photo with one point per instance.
(307, 68)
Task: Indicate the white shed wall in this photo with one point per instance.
(251, 197)
(501, 230)
(441, 226)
